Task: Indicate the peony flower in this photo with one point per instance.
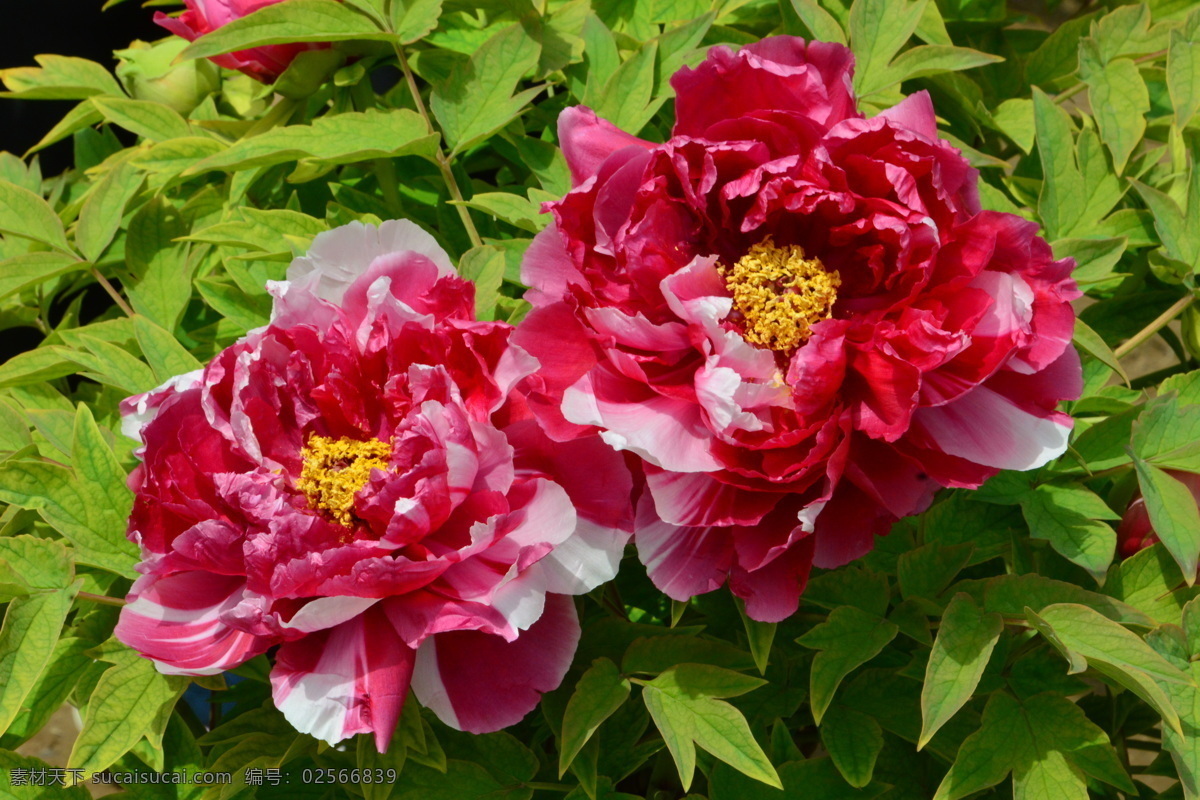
(797, 317)
(1135, 531)
(264, 63)
(358, 484)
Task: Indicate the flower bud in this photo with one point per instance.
(150, 72)
(1135, 531)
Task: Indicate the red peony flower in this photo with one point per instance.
(358, 484)
(264, 63)
(797, 317)
(1135, 531)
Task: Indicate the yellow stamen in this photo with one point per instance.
(335, 470)
(780, 294)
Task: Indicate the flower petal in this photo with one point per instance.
(587, 140)
(682, 561)
(988, 428)
(177, 621)
(480, 683)
(349, 679)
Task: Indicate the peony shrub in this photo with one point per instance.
(608, 401)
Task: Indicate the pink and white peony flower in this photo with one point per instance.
(799, 319)
(359, 484)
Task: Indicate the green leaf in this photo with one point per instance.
(760, 635)
(70, 507)
(960, 654)
(853, 586)
(27, 640)
(329, 140)
(153, 121)
(1090, 342)
(1149, 580)
(929, 569)
(77, 119)
(112, 365)
(1047, 743)
(684, 704)
(1060, 204)
(600, 691)
(1009, 595)
(1068, 516)
(1173, 515)
(1185, 747)
(33, 269)
(1119, 100)
(705, 680)
(484, 266)
(245, 311)
(414, 19)
(1167, 434)
(1180, 240)
(461, 780)
(166, 356)
(23, 213)
(878, 29)
(59, 78)
(298, 21)
(849, 638)
(511, 208)
(933, 59)
(823, 26)
(173, 157)
(1015, 117)
(853, 740)
(1058, 56)
(987, 756)
(11, 762)
(88, 504)
(163, 285)
(627, 97)
(655, 654)
(39, 564)
(35, 366)
(58, 678)
(275, 234)
(477, 100)
(1183, 78)
(102, 211)
(1088, 639)
(132, 700)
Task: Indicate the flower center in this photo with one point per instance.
(780, 294)
(335, 470)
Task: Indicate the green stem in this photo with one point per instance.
(101, 598)
(442, 160)
(1154, 327)
(112, 292)
(385, 174)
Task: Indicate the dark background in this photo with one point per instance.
(66, 27)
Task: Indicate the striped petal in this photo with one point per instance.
(480, 683)
(345, 680)
(177, 622)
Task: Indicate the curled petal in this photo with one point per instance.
(480, 683)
